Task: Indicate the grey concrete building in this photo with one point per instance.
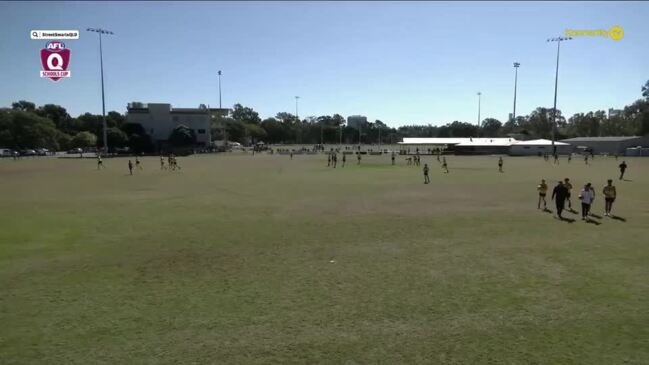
(159, 119)
(609, 145)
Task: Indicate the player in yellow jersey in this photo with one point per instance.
(568, 185)
(542, 188)
(609, 197)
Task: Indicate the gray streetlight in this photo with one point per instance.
(220, 106)
(225, 137)
(101, 63)
(479, 95)
(516, 65)
(296, 114)
(299, 125)
(556, 82)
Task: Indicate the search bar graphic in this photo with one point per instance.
(54, 34)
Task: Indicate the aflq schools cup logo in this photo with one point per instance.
(55, 59)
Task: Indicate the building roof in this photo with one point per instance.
(600, 139)
(464, 141)
(502, 142)
(539, 142)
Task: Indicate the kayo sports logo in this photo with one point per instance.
(55, 59)
(615, 33)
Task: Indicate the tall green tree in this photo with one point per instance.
(245, 114)
(56, 114)
(491, 127)
(26, 106)
(182, 136)
(84, 139)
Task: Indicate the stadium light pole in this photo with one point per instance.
(299, 125)
(220, 105)
(101, 66)
(225, 137)
(479, 97)
(556, 83)
(379, 137)
(516, 65)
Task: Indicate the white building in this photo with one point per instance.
(539, 146)
(488, 146)
(158, 120)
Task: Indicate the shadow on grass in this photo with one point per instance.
(591, 221)
(547, 210)
(617, 218)
(594, 215)
(572, 211)
(563, 219)
(629, 180)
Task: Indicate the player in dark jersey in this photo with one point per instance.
(444, 165)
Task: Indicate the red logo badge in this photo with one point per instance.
(55, 59)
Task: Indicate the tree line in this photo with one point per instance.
(50, 126)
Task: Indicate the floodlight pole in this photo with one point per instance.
(101, 65)
(299, 125)
(516, 65)
(220, 106)
(225, 137)
(479, 97)
(556, 83)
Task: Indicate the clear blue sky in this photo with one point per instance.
(402, 63)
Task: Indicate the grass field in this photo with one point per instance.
(255, 260)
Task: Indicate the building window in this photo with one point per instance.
(201, 131)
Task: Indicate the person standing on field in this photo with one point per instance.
(162, 163)
(500, 164)
(592, 201)
(609, 197)
(392, 158)
(328, 159)
(334, 159)
(100, 163)
(542, 188)
(344, 159)
(559, 194)
(358, 157)
(622, 169)
(445, 165)
(130, 167)
(586, 197)
(568, 185)
(137, 163)
(426, 178)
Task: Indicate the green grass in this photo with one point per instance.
(255, 260)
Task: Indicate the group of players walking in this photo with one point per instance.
(561, 195)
